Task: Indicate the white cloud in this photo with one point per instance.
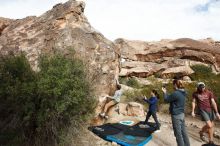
(154, 19)
(22, 8)
(136, 19)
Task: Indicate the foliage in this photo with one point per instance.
(133, 95)
(123, 80)
(42, 106)
(201, 72)
(132, 82)
(17, 94)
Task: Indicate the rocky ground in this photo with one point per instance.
(166, 136)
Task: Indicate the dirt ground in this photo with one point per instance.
(166, 136)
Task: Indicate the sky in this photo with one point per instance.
(148, 20)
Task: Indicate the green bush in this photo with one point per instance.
(133, 95)
(201, 72)
(123, 80)
(132, 82)
(17, 95)
(38, 108)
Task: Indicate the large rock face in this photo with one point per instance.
(61, 28)
(167, 57)
(4, 22)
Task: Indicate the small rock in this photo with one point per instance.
(217, 135)
(114, 144)
(187, 79)
(165, 126)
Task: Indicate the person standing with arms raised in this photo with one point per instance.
(152, 111)
(177, 107)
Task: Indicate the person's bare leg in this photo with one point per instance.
(104, 104)
(209, 125)
(204, 129)
(211, 131)
(109, 104)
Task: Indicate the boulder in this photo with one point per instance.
(187, 79)
(183, 70)
(4, 22)
(143, 58)
(118, 112)
(135, 109)
(61, 29)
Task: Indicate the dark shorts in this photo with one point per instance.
(207, 116)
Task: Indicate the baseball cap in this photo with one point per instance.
(200, 85)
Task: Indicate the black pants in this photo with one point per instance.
(149, 113)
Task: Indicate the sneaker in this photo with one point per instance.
(144, 126)
(202, 136)
(157, 131)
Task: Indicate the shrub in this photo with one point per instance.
(132, 82)
(133, 95)
(201, 72)
(17, 94)
(38, 108)
(64, 92)
(123, 80)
